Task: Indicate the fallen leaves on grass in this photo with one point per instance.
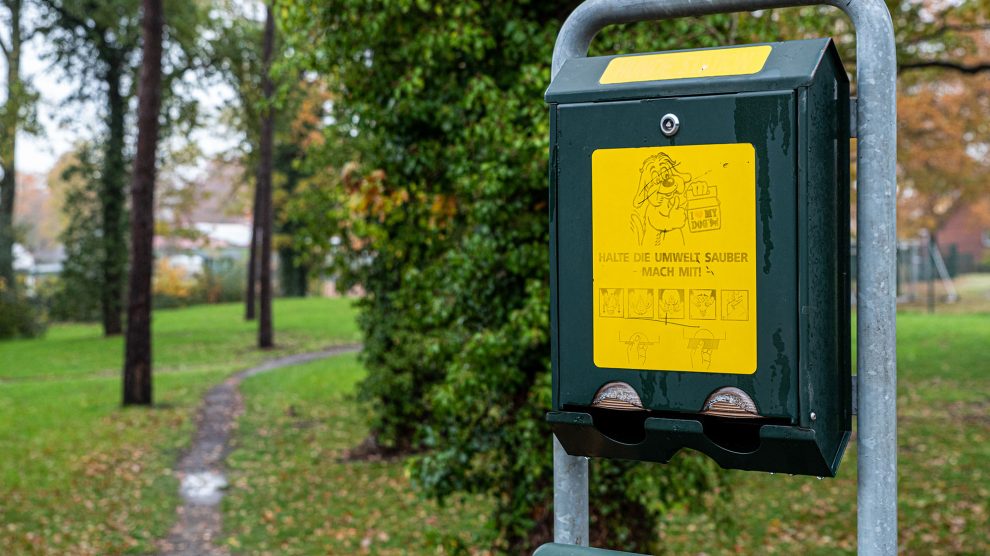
(295, 492)
(943, 435)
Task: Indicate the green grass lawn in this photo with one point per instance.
(292, 493)
(81, 475)
(944, 463)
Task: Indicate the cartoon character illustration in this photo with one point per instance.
(640, 303)
(637, 347)
(672, 303)
(701, 346)
(703, 304)
(611, 302)
(661, 200)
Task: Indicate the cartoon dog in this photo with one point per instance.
(661, 200)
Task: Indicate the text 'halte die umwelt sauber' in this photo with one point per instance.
(675, 257)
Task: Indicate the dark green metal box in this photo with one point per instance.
(699, 256)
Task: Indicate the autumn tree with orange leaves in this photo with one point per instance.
(944, 129)
(943, 108)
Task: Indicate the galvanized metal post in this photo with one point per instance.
(876, 78)
(570, 497)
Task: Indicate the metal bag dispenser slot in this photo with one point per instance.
(699, 256)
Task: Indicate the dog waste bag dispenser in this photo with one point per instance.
(700, 256)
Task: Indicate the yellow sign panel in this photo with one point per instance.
(674, 240)
(720, 62)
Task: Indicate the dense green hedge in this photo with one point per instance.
(438, 194)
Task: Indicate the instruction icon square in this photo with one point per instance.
(671, 304)
(640, 304)
(735, 305)
(610, 303)
(703, 304)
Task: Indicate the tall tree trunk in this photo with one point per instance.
(112, 200)
(8, 146)
(265, 336)
(137, 357)
(252, 268)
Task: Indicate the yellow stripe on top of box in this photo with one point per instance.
(718, 62)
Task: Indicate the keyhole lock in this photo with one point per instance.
(669, 124)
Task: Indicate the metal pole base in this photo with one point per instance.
(570, 497)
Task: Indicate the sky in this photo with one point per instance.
(37, 154)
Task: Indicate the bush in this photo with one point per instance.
(984, 265)
(221, 281)
(20, 316)
(171, 285)
(66, 303)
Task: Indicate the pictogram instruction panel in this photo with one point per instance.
(674, 247)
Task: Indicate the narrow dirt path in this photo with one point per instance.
(201, 469)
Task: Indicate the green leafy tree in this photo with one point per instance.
(236, 52)
(299, 131)
(98, 42)
(107, 33)
(19, 316)
(16, 115)
(236, 55)
(75, 179)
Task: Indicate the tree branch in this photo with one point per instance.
(4, 48)
(71, 19)
(945, 64)
(39, 30)
(950, 28)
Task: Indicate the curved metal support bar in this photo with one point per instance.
(870, 17)
(875, 217)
